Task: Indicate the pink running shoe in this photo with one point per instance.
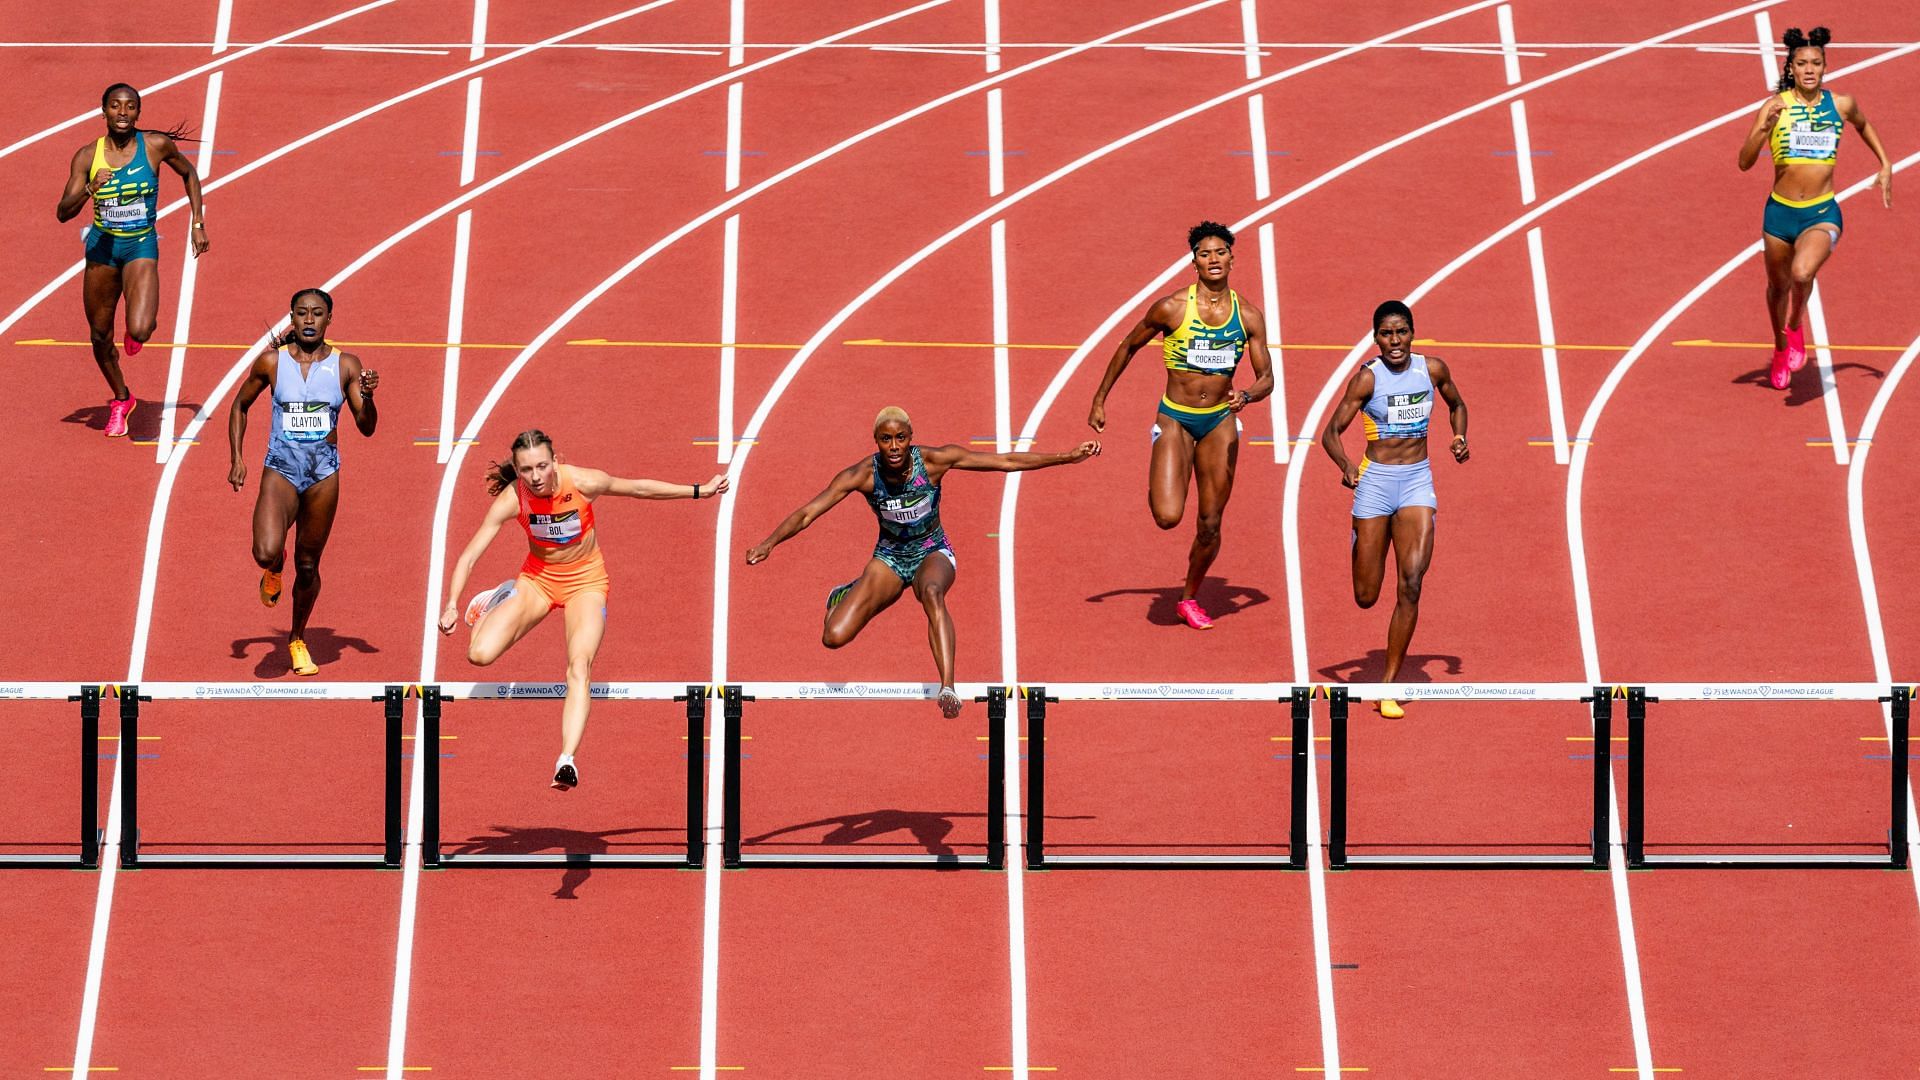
(1196, 618)
(130, 346)
(1796, 348)
(1779, 375)
(117, 413)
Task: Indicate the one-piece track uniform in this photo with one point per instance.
(1717, 545)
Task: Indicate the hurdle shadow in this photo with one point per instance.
(1220, 599)
(142, 426)
(1804, 389)
(928, 828)
(323, 642)
(514, 840)
(1372, 667)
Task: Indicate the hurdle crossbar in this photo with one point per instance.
(1298, 700)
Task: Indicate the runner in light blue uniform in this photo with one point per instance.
(902, 485)
(1393, 500)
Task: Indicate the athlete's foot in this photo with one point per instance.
(302, 659)
(1779, 375)
(837, 594)
(1190, 610)
(132, 347)
(117, 412)
(565, 776)
(484, 602)
(269, 587)
(1796, 348)
(1390, 708)
(949, 702)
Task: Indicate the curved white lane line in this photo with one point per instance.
(195, 72)
(347, 121)
(1869, 590)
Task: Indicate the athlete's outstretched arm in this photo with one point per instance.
(1852, 114)
(857, 477)
(593, 483)
(941, 458)
(499, 512)
(1162, 318)
(1761, 131)
(171, 156)
(1262, 361)
(1456, 405)
(357, 385)
(1359, 389)
(256, 383)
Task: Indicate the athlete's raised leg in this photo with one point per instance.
(871, 593)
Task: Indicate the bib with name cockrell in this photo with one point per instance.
(1207, 350)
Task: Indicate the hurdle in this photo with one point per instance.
(86, 855)
(734, 699)
(1295, 698)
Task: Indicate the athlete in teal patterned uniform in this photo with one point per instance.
(902, 485)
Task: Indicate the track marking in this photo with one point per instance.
(1769, 60)
(385, 49)
(189, 263)
(729, 316)
(1816, 327)
(1536, 252)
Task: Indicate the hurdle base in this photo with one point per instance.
(253, 861)
(1119, 861)
(526, 860)
(862, 861)
(1468, 862)
(1747, 861)
(25, 860)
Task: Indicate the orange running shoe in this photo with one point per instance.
(302, 660)
(269, 587)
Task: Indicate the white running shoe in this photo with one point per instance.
(484, 602)
(565, 776)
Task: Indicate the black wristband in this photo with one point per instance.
(696, 492)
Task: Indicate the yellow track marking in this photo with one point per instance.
(605, 344)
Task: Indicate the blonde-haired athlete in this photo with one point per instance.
(902, 485)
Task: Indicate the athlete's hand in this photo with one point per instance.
(1351, 477)
(1238, 399)
(1090, 448)
(448, 619)
(100, 179)
(369, 380)
(1885, 180)
(1097, 416)
(1773, 112)
(197, 239)
(715, 487)
(758, 553)
(1459, 447)
(237, 475)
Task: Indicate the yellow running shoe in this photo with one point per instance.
(302, 660)
(1390, 709)
(269, 587)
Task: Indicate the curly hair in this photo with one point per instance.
(1205, 229)
(1794, 40)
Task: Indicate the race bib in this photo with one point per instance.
(129, 214)
(1207, 356)
(555, 528)
(902, 512)
(1805, 141)
(306, 421)
(1405, 410)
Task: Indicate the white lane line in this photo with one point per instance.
(189, 264)
(729, 323)
(736, 116)
(1250, 31)
(1257, 146)
(1549, 354)
(222, 27)
(456, 326)
(1270, 299)
(1509, 48)
(218, 44)
(384, 49)
(478, 49)
(321, 133)
(1522, 150)
(1769, 60)
(1002, 376)
(1816, 331)
(657, 49)
(1478, 50)
(990, 20)
(1204, 50)
(996, 146)
(470, 134)
(1863, 565)
(937, 50)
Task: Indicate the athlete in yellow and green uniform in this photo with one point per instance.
(1207, 331)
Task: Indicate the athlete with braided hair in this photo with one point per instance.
(1802, 123)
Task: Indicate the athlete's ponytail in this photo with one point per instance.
(1794, 40)
(180, 132)
(501, 475)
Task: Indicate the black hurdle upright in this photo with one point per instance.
(87, 857)
(993, 859)
(132, 857)
(1339, 703)
(432, 854)
(1300, 710)
(1899, 701)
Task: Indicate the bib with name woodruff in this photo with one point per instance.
(1402, 401)
(1807, 134)
(909, 512)
(306, 406)
(560, 520)
(1207, 350)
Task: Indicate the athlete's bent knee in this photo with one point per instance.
(1366, 598)
(1168, 519)
(267, 556)
(481, 656)
(140, 331)
(834, 638)
(1410, 589)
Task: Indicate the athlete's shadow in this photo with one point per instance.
(142, 426)
(1372, 667)
(1220, 600)
(323, 644)
(1805, 387)
(929, 829)
(510, 840)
